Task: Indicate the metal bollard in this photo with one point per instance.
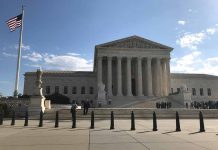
(112, 120)
(154, 121)
(177, 122)
(13, 118)
(92, 120)
(74, 119)
(1, 118)
(132, 121)
(201, 118)
(41, 119)
(26, 118)
(57, 119)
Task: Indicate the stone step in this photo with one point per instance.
(65, 114)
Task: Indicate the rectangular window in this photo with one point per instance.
(209, 92)
(65, 89)
(47, 90)
(178, 90)
(74, 90)
(56, 89)
(83, 90)
(91, 90)
(201, 92)
(193, 91)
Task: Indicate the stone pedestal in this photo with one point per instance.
(37, 101)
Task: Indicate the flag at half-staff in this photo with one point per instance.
(15, 22)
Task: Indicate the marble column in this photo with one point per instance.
(109, 76)
(129, 76)
(161, 78)
(164, 78)
(119, 77)
(149, 77)
(168, 75)
(99, 77)
(139, 76)
(158, 79)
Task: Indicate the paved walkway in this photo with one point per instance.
(101, 138)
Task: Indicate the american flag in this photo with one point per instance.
(14, 22)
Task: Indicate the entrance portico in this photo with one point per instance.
(133, 66)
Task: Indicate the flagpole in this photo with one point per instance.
(18, 59)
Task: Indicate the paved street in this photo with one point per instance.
(82, 138)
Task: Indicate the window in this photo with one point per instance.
(171, 90)
(201, 92)
(74, 90)
(56, 89)
(209, 92)
(83, 90)
(193, 91)
(65, 89)
(91, 90)
(47, 89)
(178, 90)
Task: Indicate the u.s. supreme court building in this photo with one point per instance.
(127, 71)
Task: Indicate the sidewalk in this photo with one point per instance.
(101, 138)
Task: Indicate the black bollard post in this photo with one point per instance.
(74, 118)
(112, 120)
(201, 122)
(92, 120)
(41, 119)
(57, 119)
(26, 118)
(132, 121)
(154, 121)
(13, 118)
(177, 122)
(1, 118)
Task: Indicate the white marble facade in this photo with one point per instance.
(129, 67)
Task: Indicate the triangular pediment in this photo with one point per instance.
(134, 42)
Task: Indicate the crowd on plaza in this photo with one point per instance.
(204, 105)
(163, 105)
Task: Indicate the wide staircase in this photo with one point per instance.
(141, 102)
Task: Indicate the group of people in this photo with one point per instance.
(204, 105)
(163, 105)
(85, 104)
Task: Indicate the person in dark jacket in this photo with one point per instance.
(86, 106)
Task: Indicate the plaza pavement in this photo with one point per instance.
(101, 138)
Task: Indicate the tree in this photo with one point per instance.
(57, 98)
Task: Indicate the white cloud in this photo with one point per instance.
(9, 54)
(181, 22)
(69, 61)
(187, 63)
(193, 63)
(24, 47)
(211, 31)
(73, 54)
(191, 41)
(34, 56)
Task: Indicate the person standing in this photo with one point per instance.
(87, 105)
(73, 112)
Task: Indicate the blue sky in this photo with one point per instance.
(61, 34)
